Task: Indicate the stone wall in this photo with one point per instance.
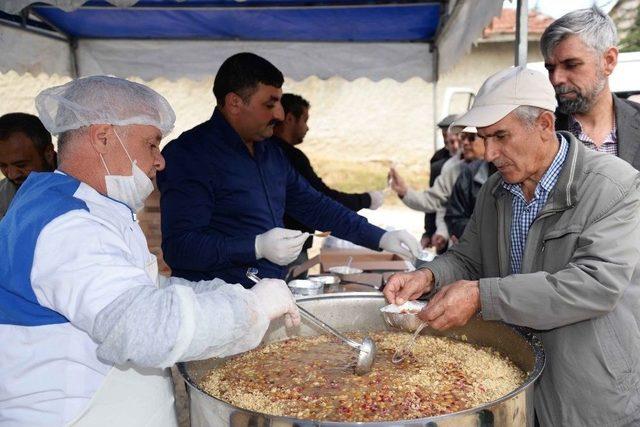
(149, 220)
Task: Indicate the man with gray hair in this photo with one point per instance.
(87, 330)
(580, 54)
(551, 245)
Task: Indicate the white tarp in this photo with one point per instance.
(15, 6)
(172, 59)
(196, 59)
(463, 28)
(25, 52)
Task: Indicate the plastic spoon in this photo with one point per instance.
(403, 352)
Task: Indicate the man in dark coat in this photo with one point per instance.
(291, 132)
(474, 174)
(438, 159)
(580, 54)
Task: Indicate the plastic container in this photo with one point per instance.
(325, 279)
(341, 270)
(305, 287)
(403, 317)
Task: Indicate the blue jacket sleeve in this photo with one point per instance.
(187, 202)
(320, 212)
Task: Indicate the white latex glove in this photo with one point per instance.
(276, 300)
(377, 198)
(280, 245)
(400, 242)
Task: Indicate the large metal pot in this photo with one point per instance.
(360, 311)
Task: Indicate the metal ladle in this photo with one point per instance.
(366, 349)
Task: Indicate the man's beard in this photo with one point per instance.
(299, 138)
(582, 102)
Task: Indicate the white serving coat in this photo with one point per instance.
(49, 373)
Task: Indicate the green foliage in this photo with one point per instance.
(631, 43)
(357, 177)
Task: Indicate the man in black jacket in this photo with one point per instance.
(291, 132)
(474, 174)
(580, 53)
(451, 143)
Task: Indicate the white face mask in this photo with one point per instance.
(131, 190)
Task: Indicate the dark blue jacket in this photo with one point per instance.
(216, 198)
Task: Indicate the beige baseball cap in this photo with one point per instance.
(505, 91)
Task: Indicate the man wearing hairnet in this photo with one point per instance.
(87, 333)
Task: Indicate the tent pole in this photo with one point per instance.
(434, 95)
(40, 32)
(30, 11)
(23, 23)
(522, 16)
(73, 57)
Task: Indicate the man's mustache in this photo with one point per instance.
(562, 90)
(274, 122)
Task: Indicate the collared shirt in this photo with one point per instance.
(7, 190)
(523, 213)
(610, 144)
(217, 197)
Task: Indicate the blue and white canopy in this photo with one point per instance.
(191, 38)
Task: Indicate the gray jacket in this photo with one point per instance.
(579, 287)
(437, 196)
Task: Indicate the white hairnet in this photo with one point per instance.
(103, 100)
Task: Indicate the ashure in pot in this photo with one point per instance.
(360, 311)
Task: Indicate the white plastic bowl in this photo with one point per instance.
(301, 287)
(426, 256)
(405, 316)
(343, 269)
(325, 279)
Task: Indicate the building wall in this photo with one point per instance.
(387, 119)
(359, 119)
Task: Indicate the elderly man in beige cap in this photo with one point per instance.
(552, 245)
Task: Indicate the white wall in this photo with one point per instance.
(356, 120)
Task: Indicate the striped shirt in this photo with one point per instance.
(610, 144)
(525, 213)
